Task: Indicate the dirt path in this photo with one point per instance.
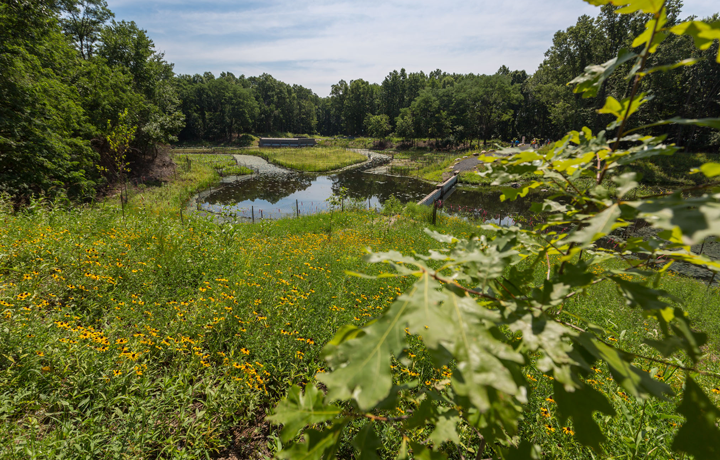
(467, 164)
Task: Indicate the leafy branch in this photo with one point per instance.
(486, 308)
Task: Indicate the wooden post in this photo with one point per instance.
(297, 208)
(342, 203)
(434, 211)
(252, 210)
(261, 215)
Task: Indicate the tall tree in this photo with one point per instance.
(83, 21)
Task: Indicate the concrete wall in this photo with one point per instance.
(440, 191)
(286, 142)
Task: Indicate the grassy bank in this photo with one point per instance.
(152, 337)
(315, 159)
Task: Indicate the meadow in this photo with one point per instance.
(149, 336)
(310, 159)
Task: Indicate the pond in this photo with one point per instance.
(272, 196)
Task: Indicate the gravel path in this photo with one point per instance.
(467, 164)
(259, 165)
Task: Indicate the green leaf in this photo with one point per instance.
(367, 443)
(421, 452)
(318, 445)
(696, 217)
(631, 6)
(596, 227)
(525, 451)
(421, 415)
(445, 428)
(297, 410)
(704, 122)
(620, 109)
(625, 183)
(699, 435)
(345, 333)
(703, 33)
(440, 237)
(691, 341)
(482, 360)
(666, 347)
(512, 194)
(540, 334)
(638, 295)
(580, 405)
(636, 381)
(710, 169)
(590, 82)
(361, 366)
(653, 25)
(668, 67)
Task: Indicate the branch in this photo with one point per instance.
(468, 290)
(636, 84)
(639, 356)
(386, 419)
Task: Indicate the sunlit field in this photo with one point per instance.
(154, 337)
(311, 159)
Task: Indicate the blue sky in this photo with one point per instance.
(317, 43)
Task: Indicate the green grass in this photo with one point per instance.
(145, 338)
(223, 164)
(152, 337)
(311, 159)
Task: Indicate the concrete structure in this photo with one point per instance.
(441, 191)
(286, 142)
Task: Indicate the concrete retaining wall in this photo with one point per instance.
(440, 191)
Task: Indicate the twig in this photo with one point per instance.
(386, 419)
(458, 285)
(639, 356)
(636, 85)
(547, 256)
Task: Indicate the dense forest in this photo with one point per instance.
(69, 70)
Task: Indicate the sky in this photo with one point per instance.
(317, 43)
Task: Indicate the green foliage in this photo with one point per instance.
(392, 206)
(57, 99)
(377, 126)
(477, 308)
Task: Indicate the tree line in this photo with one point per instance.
(69, 70)
(454, 109)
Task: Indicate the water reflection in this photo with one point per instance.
(281, 195)
(278, 196)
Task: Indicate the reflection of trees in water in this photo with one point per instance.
(271, 188)
(363, 186)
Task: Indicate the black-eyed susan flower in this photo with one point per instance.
(567, 430)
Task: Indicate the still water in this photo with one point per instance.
(274, 196)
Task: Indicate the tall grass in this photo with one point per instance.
(153, 337)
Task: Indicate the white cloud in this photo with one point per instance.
(317, 43)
